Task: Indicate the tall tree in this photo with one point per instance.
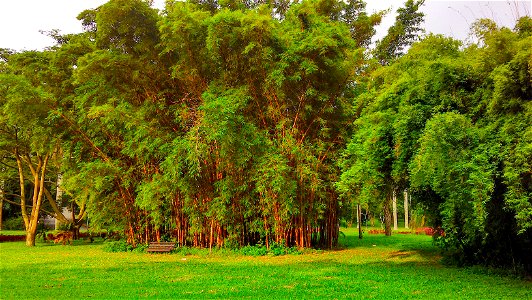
(457, 137)
(29, 140)
(401, 34)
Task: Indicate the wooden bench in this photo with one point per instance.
(160, 247)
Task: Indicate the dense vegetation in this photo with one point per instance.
(452, 124)
(228, 123)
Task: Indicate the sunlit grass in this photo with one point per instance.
(401, 266)
(12, 232)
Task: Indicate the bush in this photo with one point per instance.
(117, 246)
(276, 249)
(113, 236)
(140, 248)
(232, 243)
(257, 250)
(16, 223)
(64, 227)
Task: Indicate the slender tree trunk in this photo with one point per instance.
(58, 212)
(406, 208)
(266, 229)
(75, 226)
(394, 204)
(333, 224)
(388, 214)
(1, 211)
(40, 170)
(211, 238)
(22, 191)
(359, 217)
(58, 199)
(2, 195)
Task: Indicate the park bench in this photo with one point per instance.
(160, 247)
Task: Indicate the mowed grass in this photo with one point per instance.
(12, 232)
(397, 267)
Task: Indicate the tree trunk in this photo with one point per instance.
(359, 218)
(58, 199)
(22, 191)
(30, 237)
(406, 208)
(58, 212)
(388, 214)
(211, 238)
(394, 204)
(74, 227)
(38, 177)
(2, 193)
(1, 210)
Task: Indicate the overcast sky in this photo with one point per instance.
(21, 20)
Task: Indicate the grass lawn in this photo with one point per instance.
(397, 267)
(12, 232)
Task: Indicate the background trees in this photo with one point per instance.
(436, 121)
(212, 123)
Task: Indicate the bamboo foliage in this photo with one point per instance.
(214, 125)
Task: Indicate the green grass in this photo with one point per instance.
(397, 267)
(12, 232)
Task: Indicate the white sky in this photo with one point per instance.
(21, 20)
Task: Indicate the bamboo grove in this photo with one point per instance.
(214, 123)
(223, 124)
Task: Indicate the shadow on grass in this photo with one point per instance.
(407, 241)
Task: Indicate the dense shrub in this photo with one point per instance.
(117, 246)
(257, 250)
(16, 223)
(276, 249)
(140, 248)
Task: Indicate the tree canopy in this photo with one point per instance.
(228, 123)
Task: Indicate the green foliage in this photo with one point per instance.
(127, 26)
(258, 250)
(276, 249)
(16, 223)
(401, 34)
(451, 124)
(450, 162)
(221, 124)
(117, 246)
(141, 248)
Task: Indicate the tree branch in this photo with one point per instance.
(55, 207)
(15, 203)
